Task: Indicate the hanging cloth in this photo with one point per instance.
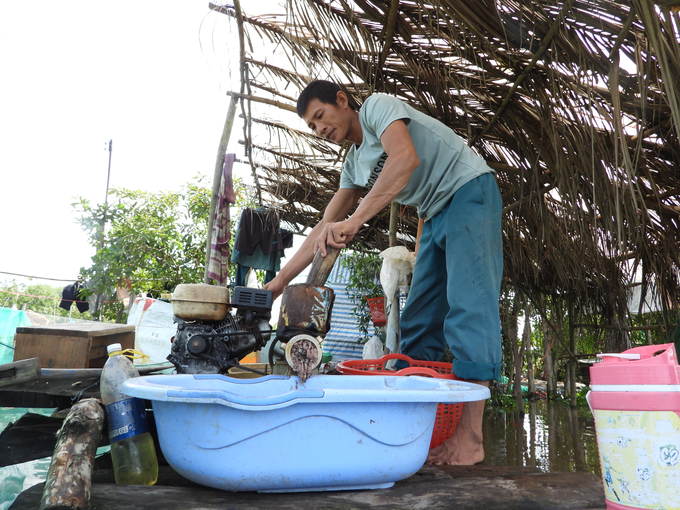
(70, 295)
(218, 263)
(258, 227)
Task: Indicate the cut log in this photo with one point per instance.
(69, 478)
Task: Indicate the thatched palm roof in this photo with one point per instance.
(575, 104)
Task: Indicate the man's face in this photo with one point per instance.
(329, 121)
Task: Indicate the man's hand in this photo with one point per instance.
(335, 235)
(276, 286)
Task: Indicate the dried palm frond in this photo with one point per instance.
(575, 104)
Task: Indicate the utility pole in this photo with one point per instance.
(106, 198)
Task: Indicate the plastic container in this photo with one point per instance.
(274, 434)
(635, 399)
(132, 450)
(448, 415)
(377, 307)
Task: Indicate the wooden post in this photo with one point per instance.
(394, 218)
(421, 222)
(516, 353)
(70, 475)
(217, 179)
(526, 345)
(572, 359)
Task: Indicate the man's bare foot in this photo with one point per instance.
(465, 446)
(456, 451)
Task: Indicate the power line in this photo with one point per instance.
(40, 277)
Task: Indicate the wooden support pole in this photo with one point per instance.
(217, 179)
(572, 360)
(421, 222)
(70, 475)
(394, 219)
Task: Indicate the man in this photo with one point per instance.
(404, 155)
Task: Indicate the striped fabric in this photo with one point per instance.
(342, 340)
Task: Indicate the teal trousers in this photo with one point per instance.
(456, 284)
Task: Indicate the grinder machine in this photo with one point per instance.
(214, 333)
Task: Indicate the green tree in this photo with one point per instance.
(152, 241)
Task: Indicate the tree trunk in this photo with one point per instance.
(70, 475)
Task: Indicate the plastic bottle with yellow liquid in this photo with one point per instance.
(132, 449)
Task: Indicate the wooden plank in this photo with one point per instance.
(60, 383)
(431, 487)
(19, 371)
(98, 353)
(53, 351)
(86, 329)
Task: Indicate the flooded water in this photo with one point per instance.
(549, 436)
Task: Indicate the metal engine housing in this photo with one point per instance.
(213, 347)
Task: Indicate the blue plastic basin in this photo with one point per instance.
(274, 434)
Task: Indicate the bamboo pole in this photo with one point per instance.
(69, 478)
(217, 179)
(264, 100)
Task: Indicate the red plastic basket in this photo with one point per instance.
(377, 307)
(447, 414)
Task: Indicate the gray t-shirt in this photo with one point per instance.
(446, 162)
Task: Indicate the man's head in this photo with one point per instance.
(324, 91)
(329, 112)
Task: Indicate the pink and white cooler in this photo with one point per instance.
(635, 399)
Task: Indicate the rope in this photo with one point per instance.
(130, 353)
(49, 297)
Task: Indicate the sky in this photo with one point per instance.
(150, 76)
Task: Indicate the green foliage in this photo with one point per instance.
(152, 241)
(155, 240)
(364, 282)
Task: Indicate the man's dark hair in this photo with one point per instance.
(324, 91)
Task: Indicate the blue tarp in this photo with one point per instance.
(343, 338)
(10, 320)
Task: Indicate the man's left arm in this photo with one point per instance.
(402, 160)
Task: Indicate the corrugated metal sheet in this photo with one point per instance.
(342, 340)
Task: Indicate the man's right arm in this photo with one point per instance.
(340, 206)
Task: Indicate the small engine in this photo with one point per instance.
(215, 338)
